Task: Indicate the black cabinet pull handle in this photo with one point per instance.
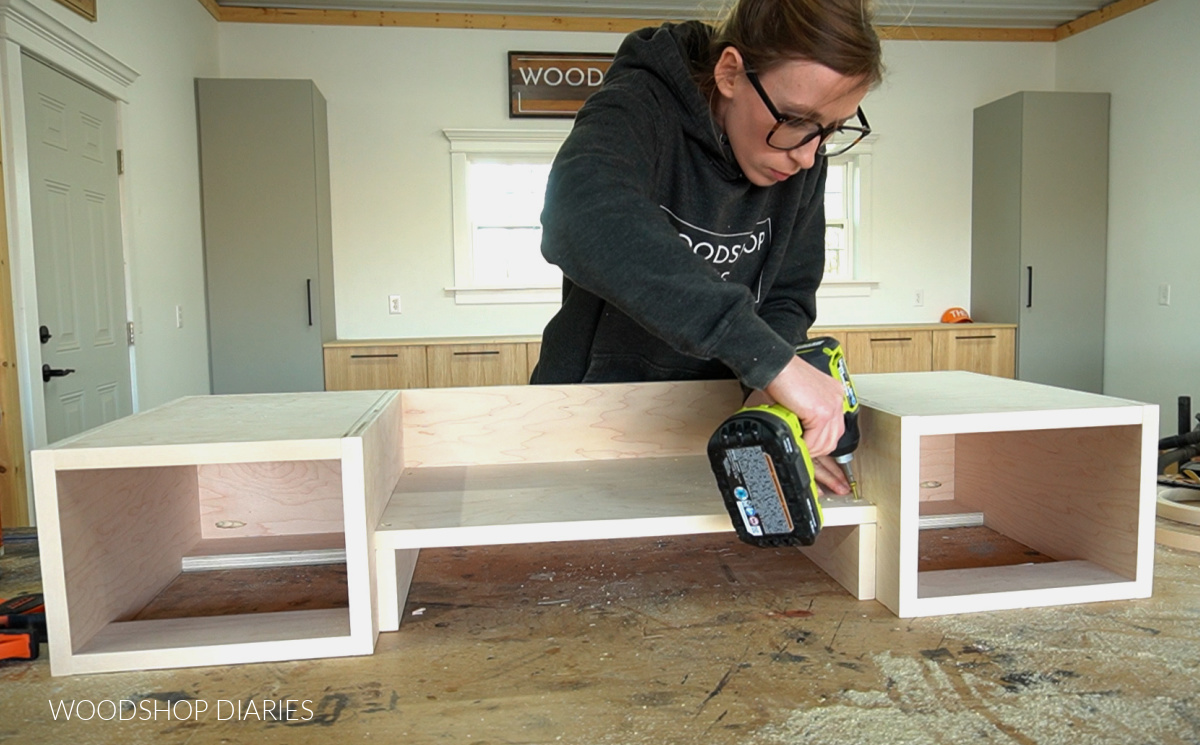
(1029, 282)
(371, 356)
(308, 295)
(981, 336)
(477, 354)
(892, 338)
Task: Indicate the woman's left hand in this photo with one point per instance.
(829, 475)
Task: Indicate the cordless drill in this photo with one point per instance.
(763, 467)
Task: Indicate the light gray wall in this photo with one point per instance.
(1148, 61)
(391, 91)
(169, 43)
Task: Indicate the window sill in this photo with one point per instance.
(847, 288)
(553, 293)
(505, 295)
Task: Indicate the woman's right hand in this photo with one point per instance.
(816, 398)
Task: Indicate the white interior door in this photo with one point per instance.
(78, 258)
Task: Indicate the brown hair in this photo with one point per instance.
(835, 33)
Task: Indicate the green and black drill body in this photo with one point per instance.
(764, 470)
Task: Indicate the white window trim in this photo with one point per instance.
(860, 179)
(463, 144)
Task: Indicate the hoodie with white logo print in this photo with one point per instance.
(675, 265)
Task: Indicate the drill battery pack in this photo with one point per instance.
(765, 475)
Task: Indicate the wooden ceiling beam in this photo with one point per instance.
(395, 18)
(956, 33)
(1096, 17)
(212, 7)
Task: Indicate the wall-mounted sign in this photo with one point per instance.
(545, 84)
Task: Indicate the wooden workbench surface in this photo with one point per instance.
(682, 640)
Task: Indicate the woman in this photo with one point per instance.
(686, 208)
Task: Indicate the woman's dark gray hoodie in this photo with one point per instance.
(675, 265)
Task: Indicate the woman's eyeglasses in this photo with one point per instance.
(790, 133)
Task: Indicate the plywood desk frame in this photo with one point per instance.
(526, 464)
(1067, 473)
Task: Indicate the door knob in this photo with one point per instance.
(49, 372)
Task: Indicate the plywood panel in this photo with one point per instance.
(937, 468)
(278, 498)
(254, 418)
(393, 575)
(374, 448)
(180, 642)
(1068, 493)
(1028, 586)
(881, 478)
(528, 503)
(122, 534)
(533, 503)
(541, 424)
(981, 397)
(382, 433)
(375, 368)
(847, 553)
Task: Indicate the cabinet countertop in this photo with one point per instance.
(435, 340)
(535, 338)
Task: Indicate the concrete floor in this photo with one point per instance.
(683, 640)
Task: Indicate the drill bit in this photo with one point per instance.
(844, 461)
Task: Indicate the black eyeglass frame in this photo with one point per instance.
(823, 132)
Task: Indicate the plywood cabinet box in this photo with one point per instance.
(1066, 473)
(122, 506)
(385, 474)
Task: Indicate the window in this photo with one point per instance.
(499, 183)
(838, 227)
(504, 200)
(848, 224)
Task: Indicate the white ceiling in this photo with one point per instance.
(960, 13)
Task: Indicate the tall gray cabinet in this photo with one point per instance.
(1039, 231)
(264, 169)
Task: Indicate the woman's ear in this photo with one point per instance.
(728, 66)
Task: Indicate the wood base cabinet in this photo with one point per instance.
(461, 365)
(902, 350)
(987, 351)
(466, 362)
(375, 368)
